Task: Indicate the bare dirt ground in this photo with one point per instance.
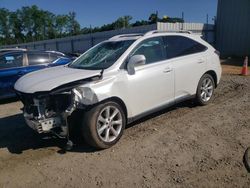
(184, 146)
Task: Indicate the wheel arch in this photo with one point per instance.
(119, 101)
(214, 76)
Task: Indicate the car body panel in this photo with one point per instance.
(48, 79)
(7, 79)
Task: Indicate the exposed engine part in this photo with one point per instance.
(48, 113)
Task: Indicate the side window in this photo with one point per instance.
(152, 49)
(179, 46)
(11, 60)
(38, 58)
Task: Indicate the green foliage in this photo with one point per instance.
(153, 18)
(32, 24)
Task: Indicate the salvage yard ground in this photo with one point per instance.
(184, 146)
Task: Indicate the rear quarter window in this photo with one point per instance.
(177, 46)
(38, 58)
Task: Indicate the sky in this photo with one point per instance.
(99, 12)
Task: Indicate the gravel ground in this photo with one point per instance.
(184, 146)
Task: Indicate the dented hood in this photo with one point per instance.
(51, 78)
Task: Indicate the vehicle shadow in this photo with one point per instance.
(9, 100)
(185, 104)
(17, 137)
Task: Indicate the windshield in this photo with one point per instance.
(102, 56)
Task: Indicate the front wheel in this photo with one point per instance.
(103, 125)
(205, 89)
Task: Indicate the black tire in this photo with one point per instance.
(89, 125)
(199, 98)
(246, 159)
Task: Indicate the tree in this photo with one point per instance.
(4, 24)
(16, 26)
(171, 20)
(60, 24)
(73, 26)
(140, 23)
(153, 18)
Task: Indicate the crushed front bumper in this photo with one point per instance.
(44, 125)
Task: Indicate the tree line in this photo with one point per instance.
(33, 24)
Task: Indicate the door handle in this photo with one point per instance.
(168, 69)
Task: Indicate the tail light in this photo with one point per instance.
(217, 52)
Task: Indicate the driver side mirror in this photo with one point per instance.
(133, 61)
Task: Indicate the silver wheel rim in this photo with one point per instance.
(109, 123)
(207, 89)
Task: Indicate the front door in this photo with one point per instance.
(152, 85)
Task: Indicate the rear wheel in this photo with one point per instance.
(103, 125)
(205, 89)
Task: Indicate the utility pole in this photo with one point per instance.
(124, 20)
(182, 25)
(91, 37)
(156, 16)
(206, 28)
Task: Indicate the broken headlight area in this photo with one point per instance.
(48, 113)
(84, 96)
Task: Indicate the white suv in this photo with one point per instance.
(117, 82)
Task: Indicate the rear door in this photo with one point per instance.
(188, 62)
(11, 69)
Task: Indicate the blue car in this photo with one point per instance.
(14, 64)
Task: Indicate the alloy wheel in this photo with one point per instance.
(207, 89)
(109, 123)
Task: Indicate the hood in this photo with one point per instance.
(51, 78)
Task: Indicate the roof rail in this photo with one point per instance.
(157, 31)
(126, 35)
(186, 31)
(151, 32)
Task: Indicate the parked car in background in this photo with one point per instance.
(119, 81)
(14, 64)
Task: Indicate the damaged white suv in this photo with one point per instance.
(117, 82)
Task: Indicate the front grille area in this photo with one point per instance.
(50, 104)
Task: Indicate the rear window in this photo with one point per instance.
(180, 46)
(38, 58)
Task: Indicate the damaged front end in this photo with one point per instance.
(48, 112)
